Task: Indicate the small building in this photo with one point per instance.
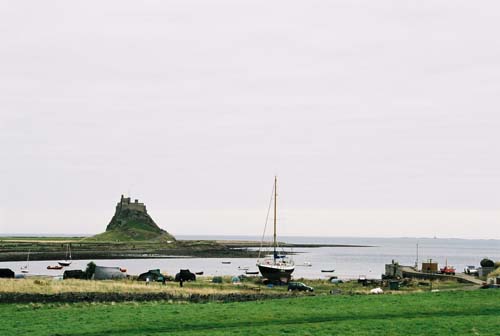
(430, 267)
(393, 270)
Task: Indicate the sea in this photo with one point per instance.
(346, 262)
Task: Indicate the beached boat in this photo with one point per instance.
(278, 267)
(68, 260)
(54, 267)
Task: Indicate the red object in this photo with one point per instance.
(449, 270)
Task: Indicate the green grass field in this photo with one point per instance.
(444, 313)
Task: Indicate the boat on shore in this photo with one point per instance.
(277, 267)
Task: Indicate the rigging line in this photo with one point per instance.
(267, 219)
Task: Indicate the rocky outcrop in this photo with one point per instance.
(131, 221)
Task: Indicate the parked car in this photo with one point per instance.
(299, 286)
(472, 270)
(447, 270)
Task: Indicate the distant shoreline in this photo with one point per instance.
(53, 248)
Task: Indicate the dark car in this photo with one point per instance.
(299, 286)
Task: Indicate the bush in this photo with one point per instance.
(217, 279)
(487, 263)
(89, 272)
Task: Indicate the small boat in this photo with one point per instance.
(199, 273)
(251, 272)
(54, 267)
(243, 268)
(226, 262)
(307, 263)
(25, 268)
(327, 270)
(123, 270)
(67, 261)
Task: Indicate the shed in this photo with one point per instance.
(108, 273)
(430, 267)
(7, 273)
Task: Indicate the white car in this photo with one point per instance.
(471, 270)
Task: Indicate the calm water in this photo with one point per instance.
(348, 262)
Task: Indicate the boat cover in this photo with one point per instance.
(108, 273)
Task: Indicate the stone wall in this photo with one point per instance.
(122, 297)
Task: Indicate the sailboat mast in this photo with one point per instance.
(275, 206)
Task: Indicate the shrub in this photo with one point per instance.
(487, 263)
(89, 272)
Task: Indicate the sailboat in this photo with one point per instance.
(67, 261)
(278, 267)
(26, 268)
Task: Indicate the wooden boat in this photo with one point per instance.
(54, 267)
(279, 268)
(68, 260)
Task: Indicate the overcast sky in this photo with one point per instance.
(380, 118)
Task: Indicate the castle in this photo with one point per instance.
(132, 215)
(125, 204)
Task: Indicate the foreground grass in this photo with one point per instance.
(443, 313)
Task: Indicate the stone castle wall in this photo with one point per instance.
(126, 204)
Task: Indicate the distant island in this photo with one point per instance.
(131, 222)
